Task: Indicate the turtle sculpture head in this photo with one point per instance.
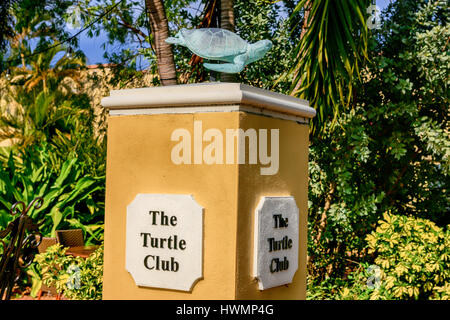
(222, 45)
(178, 39)
(258, 50)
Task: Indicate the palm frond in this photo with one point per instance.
(329, 55)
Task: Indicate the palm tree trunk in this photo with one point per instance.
(227, 15)
(160, 29)
(227, 23)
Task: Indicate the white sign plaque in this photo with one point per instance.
(164, 241)
(276, 241)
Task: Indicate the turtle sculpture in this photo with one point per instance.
(223, 45)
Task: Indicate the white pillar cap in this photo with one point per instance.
(204, 97)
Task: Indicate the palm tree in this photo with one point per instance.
(30, 27)
(25, 125)
(6, 29)
(332, 45)
(37, 121)
(39, 97)
(43, 74)
(160, 30)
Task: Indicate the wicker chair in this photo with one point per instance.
(45, 243)
(70, 238)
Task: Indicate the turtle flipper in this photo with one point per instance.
(225, 67)
(235, 67)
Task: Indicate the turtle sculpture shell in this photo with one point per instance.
(214, 42)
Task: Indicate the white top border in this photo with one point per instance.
(207, 94)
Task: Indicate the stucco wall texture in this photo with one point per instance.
(139, 161)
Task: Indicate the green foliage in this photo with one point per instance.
(76, 278)
(413, 255)
(329, 55)
(257, 20)
(390, 152)
(38, 24)
(43, 101)
(5, 25)
(328, 289)
(35, 276)
(64, 123)
(49, 122)
(128, 30)
(71, 199)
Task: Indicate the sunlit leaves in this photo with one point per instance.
(76, 278)
(410, 251)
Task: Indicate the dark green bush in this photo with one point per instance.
(71, 199)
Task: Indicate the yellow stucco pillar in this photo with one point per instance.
(183, 142)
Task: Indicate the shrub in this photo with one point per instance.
(72, 199)
(413, 255)
(76, 278)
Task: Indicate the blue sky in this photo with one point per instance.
(92, 47)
